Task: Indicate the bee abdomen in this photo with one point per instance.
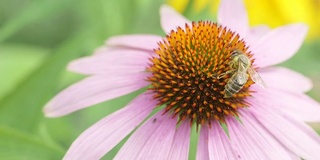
(231, 88)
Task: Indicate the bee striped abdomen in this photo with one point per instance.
(232, 87)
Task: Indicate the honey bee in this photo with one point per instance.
(241, 66)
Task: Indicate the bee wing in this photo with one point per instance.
(242, 76)
(256, 77)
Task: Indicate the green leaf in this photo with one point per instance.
(147, 10)
(15, 145)
(16, 62)
(36, 11)
(22, 108)
(21, 114)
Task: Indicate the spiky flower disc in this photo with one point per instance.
(185, 70)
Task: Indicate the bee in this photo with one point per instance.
(241, 66)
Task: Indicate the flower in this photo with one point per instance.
(187, 72)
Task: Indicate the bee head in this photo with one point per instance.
(234, 53)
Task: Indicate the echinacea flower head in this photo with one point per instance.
(186, 70)
(201, 73)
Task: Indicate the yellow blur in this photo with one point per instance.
(271, 12)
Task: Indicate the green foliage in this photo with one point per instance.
(37, 40)
(16, 144)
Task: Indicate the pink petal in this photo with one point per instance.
(232, 14)
(296, 105)
(114, 62)
(219, 144)
(268, 143)
(142, 42)
(302, 107)
(171, 19)
(181, 142)
(294, 156)
(255, 34)
(285, 79)
(100, 138)
(247, 148)
(93, 90)
(294, 135)
(253, 141)
(279, 44)
(153, 140)
(202, 149)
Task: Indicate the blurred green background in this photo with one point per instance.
(39, 37)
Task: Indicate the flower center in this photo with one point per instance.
(196, 73)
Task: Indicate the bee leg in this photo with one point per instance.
(212, 75)
(224, 74)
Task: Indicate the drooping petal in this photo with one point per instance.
(153, 140)
(202, 149)
(100, 138)
(279, 44)
(271, 146)
(171, 19)
(232, 14)
(112, 63)
(294, 156)
(219, 145)
(93, 90)
(302, 107)
(252, 141)
(256, 33)
(298, 137)
(181, 142)
(246, 146)
(285, 79)
(142, 42)
(296, 105)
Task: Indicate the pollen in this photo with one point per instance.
(186, 73)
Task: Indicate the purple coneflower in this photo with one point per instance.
(187, 73)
